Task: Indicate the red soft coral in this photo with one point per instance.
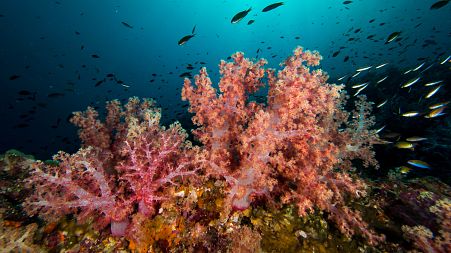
(289, 147)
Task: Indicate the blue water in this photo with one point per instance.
(41, 42)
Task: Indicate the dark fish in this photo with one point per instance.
(239, 16)
(272, 6)
(335, 54)
(185, 74)
(13, 77)
(392, 37)
(346, 58)
(439, 4)
(250, 22)
(24, 93)
(127, 25)
(110, 75)
(347, 2)
(21, 125)
(372, 20)
(187, 37)
(77, 33)
(55, 95)
(99, 83)
(95, 56)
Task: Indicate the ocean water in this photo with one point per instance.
(62, 56)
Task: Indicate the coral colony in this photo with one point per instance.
(297, 148)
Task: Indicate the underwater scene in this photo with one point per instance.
(225, 126)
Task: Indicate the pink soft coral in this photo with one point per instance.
(296, 146)
(128, 160)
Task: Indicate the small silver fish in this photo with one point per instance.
(359, 85)
(411, 82)
(382, 104)
(364, 68)
(419, 66)
(410, 114)
(438, 105)
(447, 59)
(383, 79)
(356, 74)
(359, 90)
(382, 65)
(433, 83)
(432, 92)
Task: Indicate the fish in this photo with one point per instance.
(404, 169)
(13, 77)
(411, 82)
(419, 164)
(383, 79)
(272, 6)
(55, 95)
(99, 83)
(444, 61)
(380, 129)
(127, 25)
(438, 105)
(435, 113)
(382, 104)
(343, 77)
(405, 145)
(95, 56)
(347, 2)
(346, 58)
(363, 68)
(416, 139)
(359, 85)
(185, 74)
(410, 114)
(250, 22)
(433, 91)
(419, 66)
(382, 65)
(359, 90)
(335, 53)
(240, 15)
(356, 74)
(439, 4)
(24, 93)
(187, 37)
(392, 37)
(433, 83)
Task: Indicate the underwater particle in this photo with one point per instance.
(240, 15)
(392, 37)
(439, 4)
(272, 6)
(127, 25)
